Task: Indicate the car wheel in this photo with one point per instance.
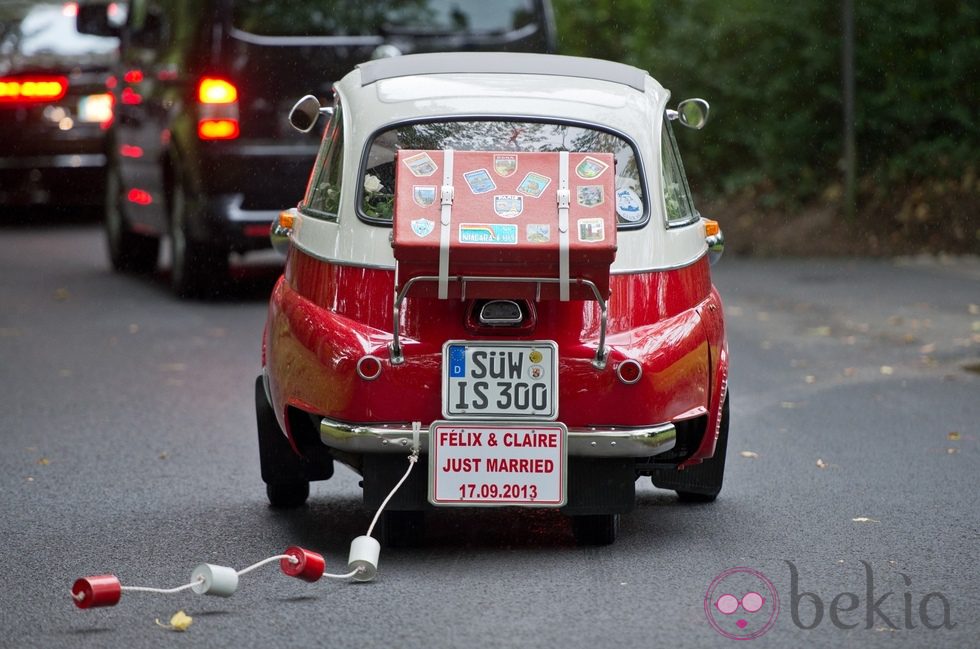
(702, 483)
(595, 529)
(286, 495)
(282, 470)
(401, 529)
(197, 269)
(129, 252)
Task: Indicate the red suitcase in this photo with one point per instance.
(495, 217)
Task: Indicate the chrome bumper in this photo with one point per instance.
(643, 441)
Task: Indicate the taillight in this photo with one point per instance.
(217, 109)
(218, 129)
(32, 89)
(139, 196)
(96, 108)
(216, 91)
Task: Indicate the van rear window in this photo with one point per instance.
(369, 17)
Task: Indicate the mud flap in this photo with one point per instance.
(701, 481)
(280, 463)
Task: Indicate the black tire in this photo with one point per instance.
(197, 269)
(595, 529)
(129, 252)
(702, 483)
(286, 495)
(402, 529)
(282, 470)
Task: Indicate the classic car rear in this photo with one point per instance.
(497, 263)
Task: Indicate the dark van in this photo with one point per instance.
(201, 151)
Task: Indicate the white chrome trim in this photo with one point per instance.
(590, 441)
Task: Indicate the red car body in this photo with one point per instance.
(354, 354)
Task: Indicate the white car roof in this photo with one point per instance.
(610, 95)
(509, 63)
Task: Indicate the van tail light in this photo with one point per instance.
(217, 101)
(32, 89)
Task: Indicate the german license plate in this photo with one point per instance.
(509, 380)
(477, 464)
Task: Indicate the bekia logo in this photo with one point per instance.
(742, 604)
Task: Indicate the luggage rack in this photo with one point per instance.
(395, 347)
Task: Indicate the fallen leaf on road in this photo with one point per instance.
(61, 294)
(887, 370)
(788, 405)
(821, 464)
(44, 461)
(752, 455)
(809, 378)
(818, 331)
(976, 325)
(952, 451)
(864, 519)
(953, 436)
(974, 309)
(179, 622)
(927, 349)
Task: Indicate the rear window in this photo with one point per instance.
(377, 182)
(369, 17)
(39, 29)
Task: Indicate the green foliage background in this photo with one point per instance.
(771, 70)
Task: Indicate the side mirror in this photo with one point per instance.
(305, 112)
(692, 113)
(94, 19)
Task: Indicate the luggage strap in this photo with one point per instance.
(564, 198)
(445, 220)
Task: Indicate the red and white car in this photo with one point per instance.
(498, 265)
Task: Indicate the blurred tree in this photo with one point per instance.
(772, 72)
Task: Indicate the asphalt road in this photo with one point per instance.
(129, 447)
